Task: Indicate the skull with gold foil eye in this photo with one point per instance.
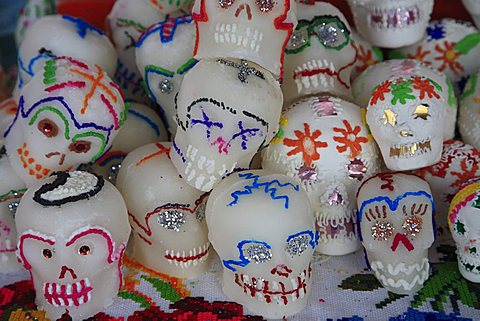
(396, 226)
(320, 54)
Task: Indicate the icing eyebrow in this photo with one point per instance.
(56, 111)
(187, 66)
(158, 70)
(96, 135)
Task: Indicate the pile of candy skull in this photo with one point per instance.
(465, 228)
(143, 126)
(367, 81)
(73, 38)
(367, 55)
(320, 55)
(324, 146)
(391, 24)
(451, 47)
(459, 163)
(31, 12)
(473, 7)
(166, 214)
(469, 112)
(253, 30)
(224, 121)
(163, 56)
(73, 228)
(396, 226)
(265, 269)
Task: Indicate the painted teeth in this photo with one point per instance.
(416, 274)
(230, 34)
(411, 149)
(70, 294)
(185, 259)
(390, 18)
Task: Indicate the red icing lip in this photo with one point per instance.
(313, 72)
(194, 255)
(69, 294)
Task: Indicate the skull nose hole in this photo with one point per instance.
(64, 271)
(246, 7)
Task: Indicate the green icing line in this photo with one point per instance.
(470, 87)
(186, 66)
(436, 85)
(123, 114)
(402, 92)
(378, 53)
(5, 196)
(132, 23)
(56, 111)
(49, 72)
(468, 43)
(96, 135)
(452, 100)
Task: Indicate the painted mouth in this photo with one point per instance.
(70, 294)
(184, 259)
(413, 274)
(331, 229)
(391, 18)
(315, 73)
(263, 290)
(470, 263)
(234, 34)
(411, 149)
(7, 247)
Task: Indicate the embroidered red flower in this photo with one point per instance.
(449, 57)
(365, 56)
(306, 144)
(350, 139)
(380, 91)
(425, 87)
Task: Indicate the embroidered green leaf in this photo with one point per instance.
(165, 289)
(470, 86)
(447, 252)
(392, 297)
(361, 282)
(468, 43)
(134, 297)
(395, 54)
(402, 92)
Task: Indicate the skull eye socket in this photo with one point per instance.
(389, 117)
(259, 253)
(47, 253)
(297, 41)
(413, 225)
(48, 128)
(80, 146)
(331, 32)
(84, 250)
(171, 220)
(422, 112)
(298, 244)
(382, 230)
(225, 4)
(265, 5)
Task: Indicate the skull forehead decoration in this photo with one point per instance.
(391, 24)
(465, 229)
(142, 126)
(73, 38)
(257, 31)
(67, 115)
(469, 110)
(73, 255)
(265, 269)
(320, 55)
(166, 214)
(473, 7)
(396, 226)
(324, 146)
(404, 114)
(458, 164)
(164, 56)
(222, 123)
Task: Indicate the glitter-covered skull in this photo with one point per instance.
(59, 36)
(469, 112)
(255, 30)
(473, 7)
(320, 55)
(261, 226)
(324, 146)
(224, 121)
(465, 228)
(459, 163)
(68, 115)
(143, 126)
(391, 23)
(166, 214)
(73, 228)
(396, 226)
(367, 55)
(164, 55)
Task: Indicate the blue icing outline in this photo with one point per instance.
(159, 27)
(82, 26)
(314, 237)
(147, 120)
(243, 260)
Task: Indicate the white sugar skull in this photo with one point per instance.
(168, 6)
(363, 86)
(261, 226)
(367, 55)
(405, 115)
(391, 23)
(469, 112)
(450, 46)
(142, 126)
(31, 12)
(166, 214)
(59, 36)
(257, 31)
(465, 228)
(68, 115)
(324, 146)
(127, 20)
(459, 163)
(224, 121)
(164, 54)
(320, 55)
(396, 226)
(73, 228)
(473, 7)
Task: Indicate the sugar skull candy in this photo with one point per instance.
(391, 23)
(31, 12)
(367, 55)
(223, 122)
(469, 112)
(164, 55)
(450, 46)
(465, 228)
(366, 83)
(324, 146)
(473, 7)
(73, 228)
(257, 31)
(406, 117)
(266, 269)
(168, 7)
(68, 115)
(143, 126)
(320, 55)
(396, 226)
(73, 38)
(127, 20)
(166, 214)
(458, 164)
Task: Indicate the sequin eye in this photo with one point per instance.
(413, 225)
(265, 5)
(298, 244)
(80, 146)
(298, 39)
(331, 32)
(200, 212)
(225, 4)
(48, 128)
(422, 111)
(84, 250)
(382, 231)
(47, 253)
(171, 220)
(389, 117)
(258, 253)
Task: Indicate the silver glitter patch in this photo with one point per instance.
(12, 207)
(171, 219)
(166, 86)
(335, 198)
(327, 34)
(200, 212)
(265, 5)
(298, 39)
(225, 3)
(297, 245)
(413, 225)
(244, 70)
(382, 231)
(258, 253)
